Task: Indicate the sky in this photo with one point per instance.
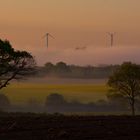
(73, 23)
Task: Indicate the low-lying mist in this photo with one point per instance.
(57, 103)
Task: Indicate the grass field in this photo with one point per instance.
(23, 92)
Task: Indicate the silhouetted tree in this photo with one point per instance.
(14, 64)
(55, 103)
(126, 81)
(49, 67)
(55, 99)
(62, 67)
(117, 101)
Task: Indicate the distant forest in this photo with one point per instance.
(64, 70)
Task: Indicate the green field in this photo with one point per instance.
(23, 92)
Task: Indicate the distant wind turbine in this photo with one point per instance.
(81, 48)
(47, 38)
(111, 38)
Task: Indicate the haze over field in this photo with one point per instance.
(73, 23)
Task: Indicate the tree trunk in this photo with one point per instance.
(133, 106)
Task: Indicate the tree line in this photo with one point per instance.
(56, 103)
(64, 70)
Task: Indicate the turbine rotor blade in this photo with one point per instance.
(51, 36)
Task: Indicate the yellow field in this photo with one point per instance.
(23, 92)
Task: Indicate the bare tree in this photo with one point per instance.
(125, 81)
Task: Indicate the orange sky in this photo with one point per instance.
(73, 23)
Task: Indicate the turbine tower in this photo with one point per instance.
(111, 38)
(47, 38)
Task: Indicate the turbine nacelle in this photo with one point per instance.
(47, 35)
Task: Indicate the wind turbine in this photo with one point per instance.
(47, 38)
(111, 38)
(81, 48)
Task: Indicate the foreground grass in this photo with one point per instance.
(23, 92)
